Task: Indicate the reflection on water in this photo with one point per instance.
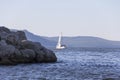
(72, 64)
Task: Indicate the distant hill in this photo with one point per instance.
(79, 41)
(37, 38)
(87, 41)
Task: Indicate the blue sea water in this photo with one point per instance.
(72, 64)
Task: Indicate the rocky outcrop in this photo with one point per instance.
(15, 48)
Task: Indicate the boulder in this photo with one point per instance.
(21, 35)
(3, 43)
(30, 45)
(4, 29)
(17, 57)
(15, 48)
(11, 39)
(42, 53)
(6, 51)
(28, 55)
(36, 47)
(3, 35)
(49, 56)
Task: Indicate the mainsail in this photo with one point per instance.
(59, 44)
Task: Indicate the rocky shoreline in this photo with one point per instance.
(15, 49)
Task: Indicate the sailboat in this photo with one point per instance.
(59, 45)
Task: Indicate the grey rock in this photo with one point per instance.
(3, 43)
(23, 56)
(4, 29)
(17, 57)
(30, 45)
(15, 48)
(6, 61)
(28, 55)
(3, 35)
(6, 51)
(11, 39)
(50, 56)
(21, 35)
(40, 56)
(43, 54)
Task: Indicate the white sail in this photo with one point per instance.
(59, 44)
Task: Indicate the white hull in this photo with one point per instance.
(60, 47)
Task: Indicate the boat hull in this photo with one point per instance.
(60, 47)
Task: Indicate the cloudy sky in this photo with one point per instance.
(100, 18)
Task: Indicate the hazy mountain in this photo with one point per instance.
(87, 41)
(79, 41)
(37, 38)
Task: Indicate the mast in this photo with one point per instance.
(59, 40)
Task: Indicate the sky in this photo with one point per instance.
(99, 18)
